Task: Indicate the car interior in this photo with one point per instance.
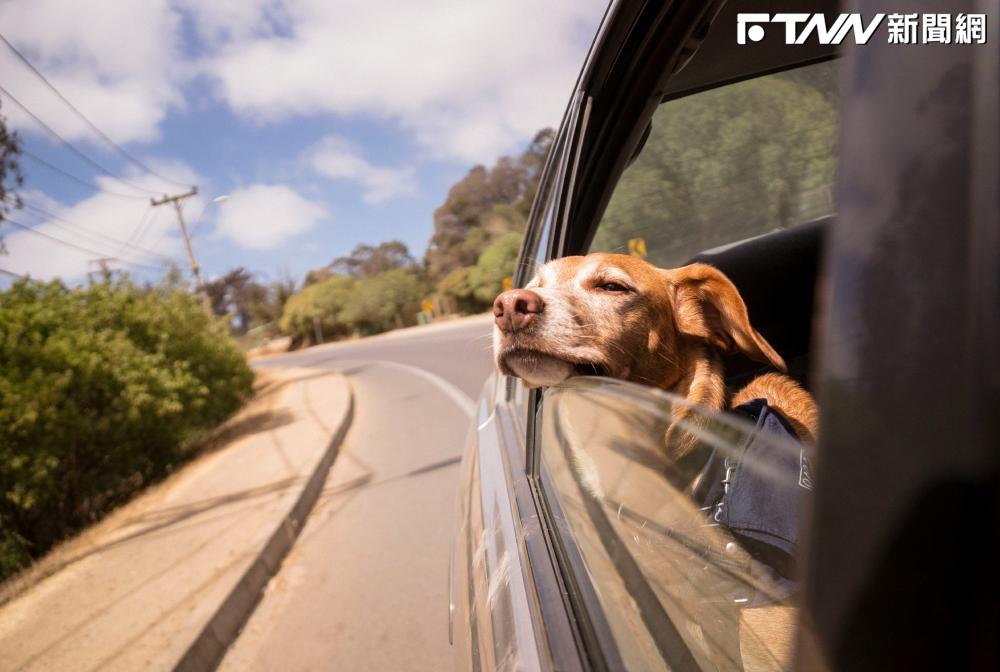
(782, 264)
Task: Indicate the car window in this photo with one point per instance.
(728, 164)
(536, 250)
(540, 220)
(668, 577)
(674, 578)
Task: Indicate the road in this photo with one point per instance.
(365, 587)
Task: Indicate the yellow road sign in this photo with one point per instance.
(637, 247)
(508, 283)
(427, 305)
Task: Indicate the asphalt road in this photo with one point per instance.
(365, 587)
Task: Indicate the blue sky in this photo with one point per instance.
(327, 124)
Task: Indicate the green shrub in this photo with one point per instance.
(326, 300)
(495, 263)
(472, 289)
(346, 305)
(100, 389)
(457, 293)
(377, 303)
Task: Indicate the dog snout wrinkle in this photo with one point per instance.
(516, 308)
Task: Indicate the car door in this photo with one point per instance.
(621, 568)
(740, 175)
(506, 611)
(514, 597)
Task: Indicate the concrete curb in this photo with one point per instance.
(224, 626)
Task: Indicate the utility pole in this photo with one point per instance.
(104, 263)
(176, 201)
(317, 329)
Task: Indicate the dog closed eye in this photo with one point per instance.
(612, 286)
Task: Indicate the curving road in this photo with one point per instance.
(365, 586)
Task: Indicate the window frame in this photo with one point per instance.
(515, 419)
(587, 178)
(537, 246)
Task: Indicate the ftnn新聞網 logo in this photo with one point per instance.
(900, 28)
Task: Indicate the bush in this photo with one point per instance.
(495, 263)
(326, 300)
(456, 292)
(472, 288)
(101, 387)
(346, 305)
(377, 303)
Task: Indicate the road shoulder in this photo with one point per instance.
(167, 581)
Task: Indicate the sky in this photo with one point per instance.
(325, 124)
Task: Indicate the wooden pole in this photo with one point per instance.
(176, 202)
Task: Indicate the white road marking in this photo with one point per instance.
(463, 400)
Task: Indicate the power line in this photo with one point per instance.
(78, 180)
(139, 231)
(75, 246)
(11, 273)
(121, 150)
(70, 146)
(94, 235)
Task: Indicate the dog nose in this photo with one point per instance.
(515, 308)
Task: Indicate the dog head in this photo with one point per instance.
(619, 316)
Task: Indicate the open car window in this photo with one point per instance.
(685, 557)
(680, 563)
(728, 164)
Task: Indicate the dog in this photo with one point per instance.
(620, 316)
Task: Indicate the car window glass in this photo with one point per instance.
(536, 253)
(677, 579)
(519, 399)
(540, 222)
(728, 164)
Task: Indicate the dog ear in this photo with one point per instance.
(708, 307)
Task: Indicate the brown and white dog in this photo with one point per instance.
(619, 316)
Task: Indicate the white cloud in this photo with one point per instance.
(124, 229)
(339, 159)
(263, 216)
(469, 79)
(235, 19)
(118, 62)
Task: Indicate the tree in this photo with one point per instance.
(324, 300)
(457, 292)
(533, 161)
(483, 206)
(11, 178)
(473, 288)
(248, 302)
(365, 261)
(232, 294)
(378, 303)
(267, 306)
(724, 165)
(495, 263)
